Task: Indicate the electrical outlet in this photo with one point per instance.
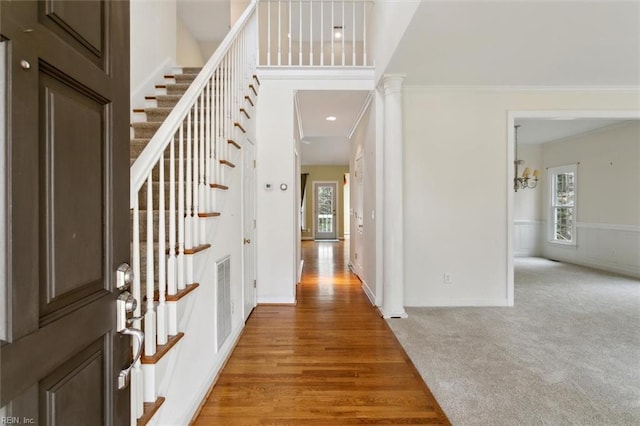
(447, 278)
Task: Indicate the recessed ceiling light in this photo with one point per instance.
(337, 31)
(331, 118)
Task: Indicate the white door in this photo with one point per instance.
(249, 227)
(326, 225)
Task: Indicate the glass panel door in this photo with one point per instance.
(325, 211)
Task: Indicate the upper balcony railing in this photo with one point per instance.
(314, 33)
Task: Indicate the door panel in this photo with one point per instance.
(325, 210)
(72, 145)
(81, 25)
(67, 225)
(249, 211)
(75, 385)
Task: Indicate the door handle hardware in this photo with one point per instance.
(247, 241)
(125, 374)
(131, 320)
(125, 304)
(124, 277)
(25, 65)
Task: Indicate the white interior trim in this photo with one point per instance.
(379, 212)
(4, 301)
(365, 74)
(296, 106)
(481, 88)
(313, 206)
(363, 111)
(512, 116)
(608, 226)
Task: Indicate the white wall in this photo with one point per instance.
(276, 230)
(362, 254)
(390, 20)
(608, 199)
(236, 8)
(208, 48)
(153, 45)
(456, 181)
(527, 206)
(188, 49)
(197, 361)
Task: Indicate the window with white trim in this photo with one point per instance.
(563, 184)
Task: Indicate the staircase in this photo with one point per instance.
(185, 145)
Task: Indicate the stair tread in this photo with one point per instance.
(162, 350)
(172, 297)
(150, 408)
(180, 294)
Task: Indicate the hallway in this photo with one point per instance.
(329, 360)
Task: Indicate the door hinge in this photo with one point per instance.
(254, 164)
(254, 223)
(255, 285)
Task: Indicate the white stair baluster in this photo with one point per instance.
(181, 211)
(149, 315)
(172, 285)
(353, 27)
(299, 35)
(202, 193)
(207, 180)
(161, 312)
(195, 188)
(137, 401)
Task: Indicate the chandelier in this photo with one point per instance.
(527, 179)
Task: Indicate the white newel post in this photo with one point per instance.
(393, 271)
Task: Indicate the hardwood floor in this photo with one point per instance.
(329, 360)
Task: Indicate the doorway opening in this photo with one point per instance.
(599, 145)
(325, 197)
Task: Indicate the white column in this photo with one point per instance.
(393, 253)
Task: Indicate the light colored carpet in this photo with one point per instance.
(567, 353)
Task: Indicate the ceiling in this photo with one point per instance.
(541, 130)
(326, 142)
(521, 43)
(593, 43)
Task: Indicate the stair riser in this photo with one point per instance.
(184, 78)
(176, 89)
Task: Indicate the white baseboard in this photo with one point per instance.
(453, 302)
(368, 292)
(300, 270)
(276, 301)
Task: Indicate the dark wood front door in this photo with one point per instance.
(65, 84)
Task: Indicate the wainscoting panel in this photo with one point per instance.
(529, 236)
(614, 248)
